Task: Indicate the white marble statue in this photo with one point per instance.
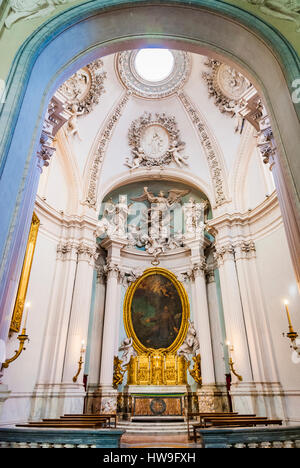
(128, 351)
(30, 9)
(283, 9)
(114, 219)
(190, 346)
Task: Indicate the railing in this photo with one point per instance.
(283, 437)
(59, 438)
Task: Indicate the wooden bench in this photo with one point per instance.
(112, 416)
(190, 417)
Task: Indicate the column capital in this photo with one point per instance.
(199, 268)
(66, 251)
(224, 253)
(86, 252)
(112, 270)
(210, 275)
(244, 250)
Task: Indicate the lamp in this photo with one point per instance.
(22, 339)
(80, 362)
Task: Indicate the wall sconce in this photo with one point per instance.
(22, 339)
(80, 362)
(231, 363)
(292, 335)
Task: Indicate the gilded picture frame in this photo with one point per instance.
(127, 312)
(17, 315)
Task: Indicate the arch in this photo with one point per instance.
(38, 70)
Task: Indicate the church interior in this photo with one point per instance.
(153, 291)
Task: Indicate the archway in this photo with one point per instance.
(268, 60)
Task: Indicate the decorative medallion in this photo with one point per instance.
(84, 88)
(158, 406)
(227, 86)
(130, 78)
(155, 142)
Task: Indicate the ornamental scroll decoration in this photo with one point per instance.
(155, 141)
(212, 154)
(99, 151)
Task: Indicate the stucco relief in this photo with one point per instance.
(155, 141)
(227, 87)
(30, 9)
(282, 9)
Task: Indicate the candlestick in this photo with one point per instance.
(27, 307)
(292, 335)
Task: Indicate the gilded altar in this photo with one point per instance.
(157, 369)
(156, 318)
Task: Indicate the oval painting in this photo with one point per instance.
(156, 312)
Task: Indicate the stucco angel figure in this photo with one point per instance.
(190, 346)
(73, 121)
(161, 201)
(283, 9)
(128, 351)
(30, 9)
(174, 150)
(138, 156)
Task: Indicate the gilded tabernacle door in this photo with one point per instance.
(156, 317)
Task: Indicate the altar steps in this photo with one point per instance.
(153, 427)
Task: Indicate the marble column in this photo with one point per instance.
(269, 391)
(111, 323)
(80, 311)
(93, 391)
(215, 326)
(48, 390)
(233, 312)
(202, 325)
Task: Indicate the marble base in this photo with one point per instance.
(262, 399)
(55, 400)
(212, 399)
(4, 395)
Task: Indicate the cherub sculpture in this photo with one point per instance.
(128, 351)
(178, 158)
(190, 346)
(73, 121)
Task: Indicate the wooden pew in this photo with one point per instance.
(190, 417)
(112, 416)
(237, 422)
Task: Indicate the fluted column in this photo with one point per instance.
(200, 307)
(112, 312)
(202, 325)
(215, 326)
(97, 328)
(80, 312)
(233, 312)
(262, 354)
(58, 314)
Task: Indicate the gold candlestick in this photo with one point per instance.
(80, 362)
(22, 338)
(292, 335)
(231, 363)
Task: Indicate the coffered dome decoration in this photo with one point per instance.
(131, 79)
